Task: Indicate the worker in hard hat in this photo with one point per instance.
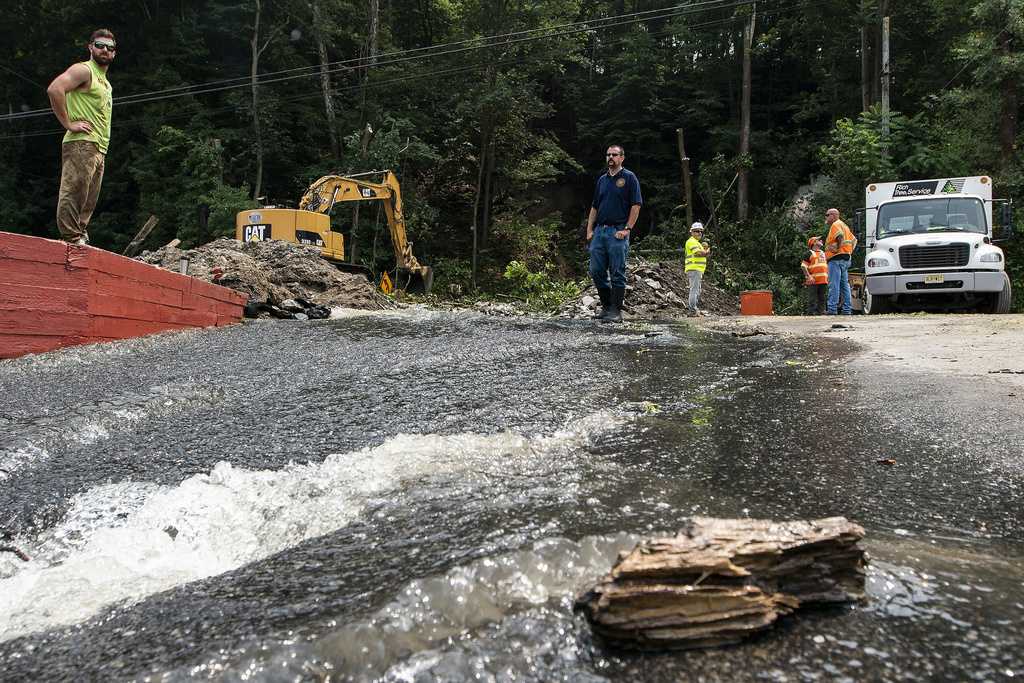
(696, 263)
(815, 267)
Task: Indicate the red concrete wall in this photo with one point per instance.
(54, 294)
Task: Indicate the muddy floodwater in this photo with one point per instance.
(418, 496)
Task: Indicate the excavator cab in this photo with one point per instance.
(311, 224)
(290, 225)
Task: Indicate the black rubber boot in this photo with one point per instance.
(606, 301)
(614, 313)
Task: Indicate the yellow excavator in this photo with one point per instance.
(311, 223)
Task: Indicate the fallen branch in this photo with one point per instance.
(140, 236)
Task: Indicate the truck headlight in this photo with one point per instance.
(991, 257)
(878, 262)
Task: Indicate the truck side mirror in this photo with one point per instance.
(859, 213)
(1005, 219)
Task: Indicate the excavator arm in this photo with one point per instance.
(325, 193)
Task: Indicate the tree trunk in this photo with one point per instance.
(428, 29)
(1008, 114)
(257, 133)
(485, 224)
(364, 145)
(743, 187)
(325, 82)
(885, 84)
(372, 29)
(684, 166)
(484, 144)
(372, 33)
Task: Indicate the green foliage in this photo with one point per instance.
(1010, 183)
(538, 289)
(763, 253)
(667, 243)
(533, 242)
(860, 153)
(392, 146)
(182, 173)
(452, 277)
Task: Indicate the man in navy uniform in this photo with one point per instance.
(613, 214)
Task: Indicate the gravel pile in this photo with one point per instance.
(276, 275)
(656, 290)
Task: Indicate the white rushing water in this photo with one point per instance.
(122, 542)
(490, 619)
(412, 633)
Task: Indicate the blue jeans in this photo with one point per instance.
(608, 255)
(839, 284)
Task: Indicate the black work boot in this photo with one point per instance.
(614, 312)
(606, 301)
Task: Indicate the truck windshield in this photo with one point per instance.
(955, 214)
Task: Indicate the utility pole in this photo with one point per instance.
(684, 163)
(742, 190)
(885, 79)
(865, 70)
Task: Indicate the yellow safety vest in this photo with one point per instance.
(93, 105)
(694, 262)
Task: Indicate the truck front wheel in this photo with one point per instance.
(1001, 301)
(873, 305)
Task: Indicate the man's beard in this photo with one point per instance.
(103, 59)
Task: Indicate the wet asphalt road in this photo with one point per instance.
(440, 443)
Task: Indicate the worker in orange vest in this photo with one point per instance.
(839, 246)
(815, 267)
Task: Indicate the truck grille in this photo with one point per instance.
(946, 256)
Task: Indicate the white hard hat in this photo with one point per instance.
(697, 226)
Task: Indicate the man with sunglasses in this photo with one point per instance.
(82, 100)
(613, 214)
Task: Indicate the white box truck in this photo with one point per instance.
(930, 246)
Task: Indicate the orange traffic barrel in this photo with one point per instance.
(756, 302)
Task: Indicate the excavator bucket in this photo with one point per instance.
(416, 281)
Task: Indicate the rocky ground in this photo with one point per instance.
(656, 290)
(281, 279)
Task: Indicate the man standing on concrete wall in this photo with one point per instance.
(613, 214)
(82, 99)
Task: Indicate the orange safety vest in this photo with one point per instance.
(846, 245)
(817, 265)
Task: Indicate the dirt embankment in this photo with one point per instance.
(282, 278)
(962, 345)
(274, 273)
(656, 290)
